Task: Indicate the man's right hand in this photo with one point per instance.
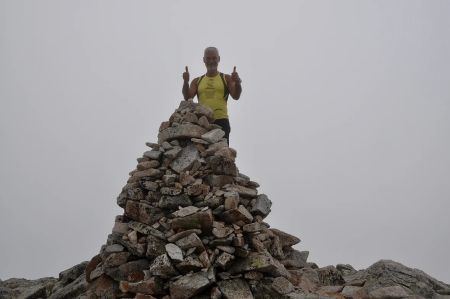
(186, 75)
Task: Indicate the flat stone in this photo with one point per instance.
(153, 154)
(262, 205)
(189, 264)
(216, 180)
(172, 153)
(295, 259)
(142, 212)
(146, 229)
(198, 189)
(222, 165)
(114, 248)
(147, 164)
(186, 211)
(149, 185)
(224, 260)
(122, 272)
(253, 227)
(153, 286)
(231, 202)
(391, 292)
(116, 259)
(262, 262)
(185, 159)
(189, 285)
(204, 111)
(152, 172)
(171, 191)
(198, 140)
(235, 289)
(169, 179)
(183, 234)
(285, 238)
(173, 202)
(181, 131)
(203, 121)
(213, 136)
(222, 232)
(201, 220)
(155, 247)
(239, 214)
(349, 291)
(162, 267)
(120, 228)
(243, 191)
(191, 241)
(174, 252)
(282, 286)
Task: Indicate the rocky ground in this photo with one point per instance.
(193, 227)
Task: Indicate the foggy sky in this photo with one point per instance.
(344, 120)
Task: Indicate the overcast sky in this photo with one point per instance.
(344, 120)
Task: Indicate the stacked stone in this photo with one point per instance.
(193, 225)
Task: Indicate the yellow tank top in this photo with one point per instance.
(212, 92)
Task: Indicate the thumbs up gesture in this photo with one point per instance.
(186, 75)
(235, 77)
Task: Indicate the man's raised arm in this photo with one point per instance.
(234, 85)
(188, 92)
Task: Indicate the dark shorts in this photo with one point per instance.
(225, 124)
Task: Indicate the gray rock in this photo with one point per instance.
(349, 291)
(186, 211)
(162, 267)
(213, 136)
(142, 212)
(244, 191)
(71, 290)
(191, 241)
(262, 262)
(235, 289)
(174, 252)
(183, 234)
(224, 260)
(153, 286)
(155, 246)
(285, 238)
(114, 248)
(189, 285)
(386, 273)
(262, 205)
(182, 131)
(201, 220)
(282, 286)
(239, 214)
(215, 180)
(153, 154)
(173, 202)
(185, 159)
(146, 229)
(172, 153)
(295, 259)
(392, 292)
(190, 263)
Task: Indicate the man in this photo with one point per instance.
(213, 88)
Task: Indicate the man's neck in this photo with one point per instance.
(212, 73)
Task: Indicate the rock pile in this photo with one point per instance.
(193, 225)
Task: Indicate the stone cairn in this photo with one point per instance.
(193, 225)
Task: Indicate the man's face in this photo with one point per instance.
(211, 60)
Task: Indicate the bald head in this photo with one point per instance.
(211, 50)
(211, 59)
